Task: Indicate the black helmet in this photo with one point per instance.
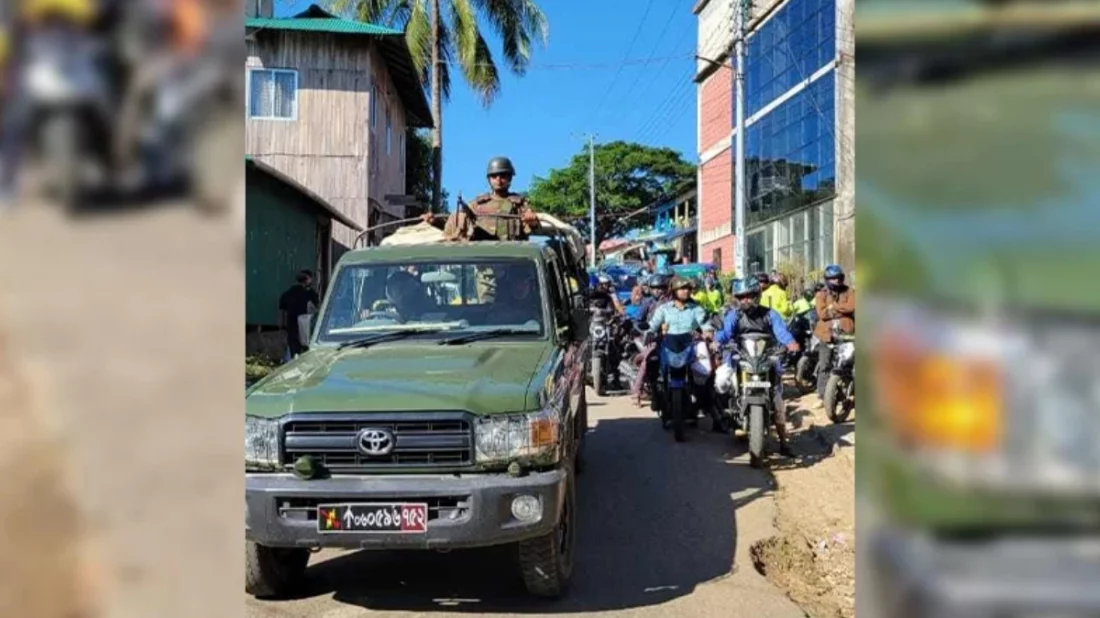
(660, 281)
(500, 165)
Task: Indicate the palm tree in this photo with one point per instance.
(439, 32)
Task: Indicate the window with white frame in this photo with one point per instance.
(272, 94)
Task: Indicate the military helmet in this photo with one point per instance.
(500, 165)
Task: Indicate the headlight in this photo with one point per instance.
(598, 331)
(513, 436)
(261, 443)
(845, 351)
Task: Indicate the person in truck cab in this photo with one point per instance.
(516, 302)
(749, 316)
(836, 303)
(407, 296)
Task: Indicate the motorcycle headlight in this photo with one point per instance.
(502, 438)
(678, 360)
(845, 351)
(598, 331)
(261, 443)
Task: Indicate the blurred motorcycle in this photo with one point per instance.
(70, 110)
(840, 390)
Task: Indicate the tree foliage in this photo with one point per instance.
(418, 166)
(629, 178)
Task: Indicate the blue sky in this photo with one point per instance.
(577, 84)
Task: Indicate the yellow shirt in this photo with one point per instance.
(776, 298)
(80, 11)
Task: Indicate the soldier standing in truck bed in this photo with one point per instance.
(475, 221)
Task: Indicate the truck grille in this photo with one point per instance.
(425, 440)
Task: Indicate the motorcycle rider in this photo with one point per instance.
(835, 303)
(804, 303)
(659, 292)
(603, 295)
(677, 320)
(710, 296)
(750, 316)
(774, 295)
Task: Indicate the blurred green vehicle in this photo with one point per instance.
(978, 192)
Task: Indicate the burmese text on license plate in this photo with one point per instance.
(758, 384)
(400, 518)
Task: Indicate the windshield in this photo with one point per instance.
(434, 297)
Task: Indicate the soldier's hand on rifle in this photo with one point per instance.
(427, 217)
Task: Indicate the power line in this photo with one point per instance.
(668, 22)
(629, 49)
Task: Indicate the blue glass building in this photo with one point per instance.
(790, 136)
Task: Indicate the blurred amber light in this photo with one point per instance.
(938, 401)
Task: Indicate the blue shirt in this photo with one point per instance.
(680, 321)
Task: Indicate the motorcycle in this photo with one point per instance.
(840, 390)
(599, 331)
(751, 406)
(804, 362)
(71, 110)
(675, 383)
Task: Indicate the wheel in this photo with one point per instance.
(804, 374)
(61, 138)
(756, 436)
(546, 562)
(597, 376)
(836, 404)
(581, 435)
(677, 411)
(273, 571)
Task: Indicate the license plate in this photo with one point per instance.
(758, 384)
(398, 518)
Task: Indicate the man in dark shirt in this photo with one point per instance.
(293, 304)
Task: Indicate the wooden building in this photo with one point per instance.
(328, 102)
(287, 228)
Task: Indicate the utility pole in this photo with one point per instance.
(592, 198)
(740, 17)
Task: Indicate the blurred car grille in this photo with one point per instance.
(422, 440)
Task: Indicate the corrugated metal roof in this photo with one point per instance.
(305, 191)
(333, 25)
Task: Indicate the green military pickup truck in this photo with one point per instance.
(441, 405)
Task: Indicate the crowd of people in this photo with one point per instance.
(681, 311)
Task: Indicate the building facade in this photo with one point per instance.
(328, 102)
(798, 134)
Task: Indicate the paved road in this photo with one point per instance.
(665, 530)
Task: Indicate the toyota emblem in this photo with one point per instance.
(375, 442)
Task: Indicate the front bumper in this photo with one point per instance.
(471, 510)
(1012, 576)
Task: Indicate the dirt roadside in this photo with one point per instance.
(812, 558)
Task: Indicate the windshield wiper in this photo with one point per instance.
(366, 342)
(485, 334)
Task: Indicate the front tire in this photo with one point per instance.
(597, 376)
(546, 562)
(677, 411)
(836, 405)
(804, 374)
(61, 137)
(756, 436)
(272, 572)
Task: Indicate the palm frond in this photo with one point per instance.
(418, 37)
(517, 22)
(474, 56)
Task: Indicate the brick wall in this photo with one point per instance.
(716, 205)
(716, 108)
(725, 245)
